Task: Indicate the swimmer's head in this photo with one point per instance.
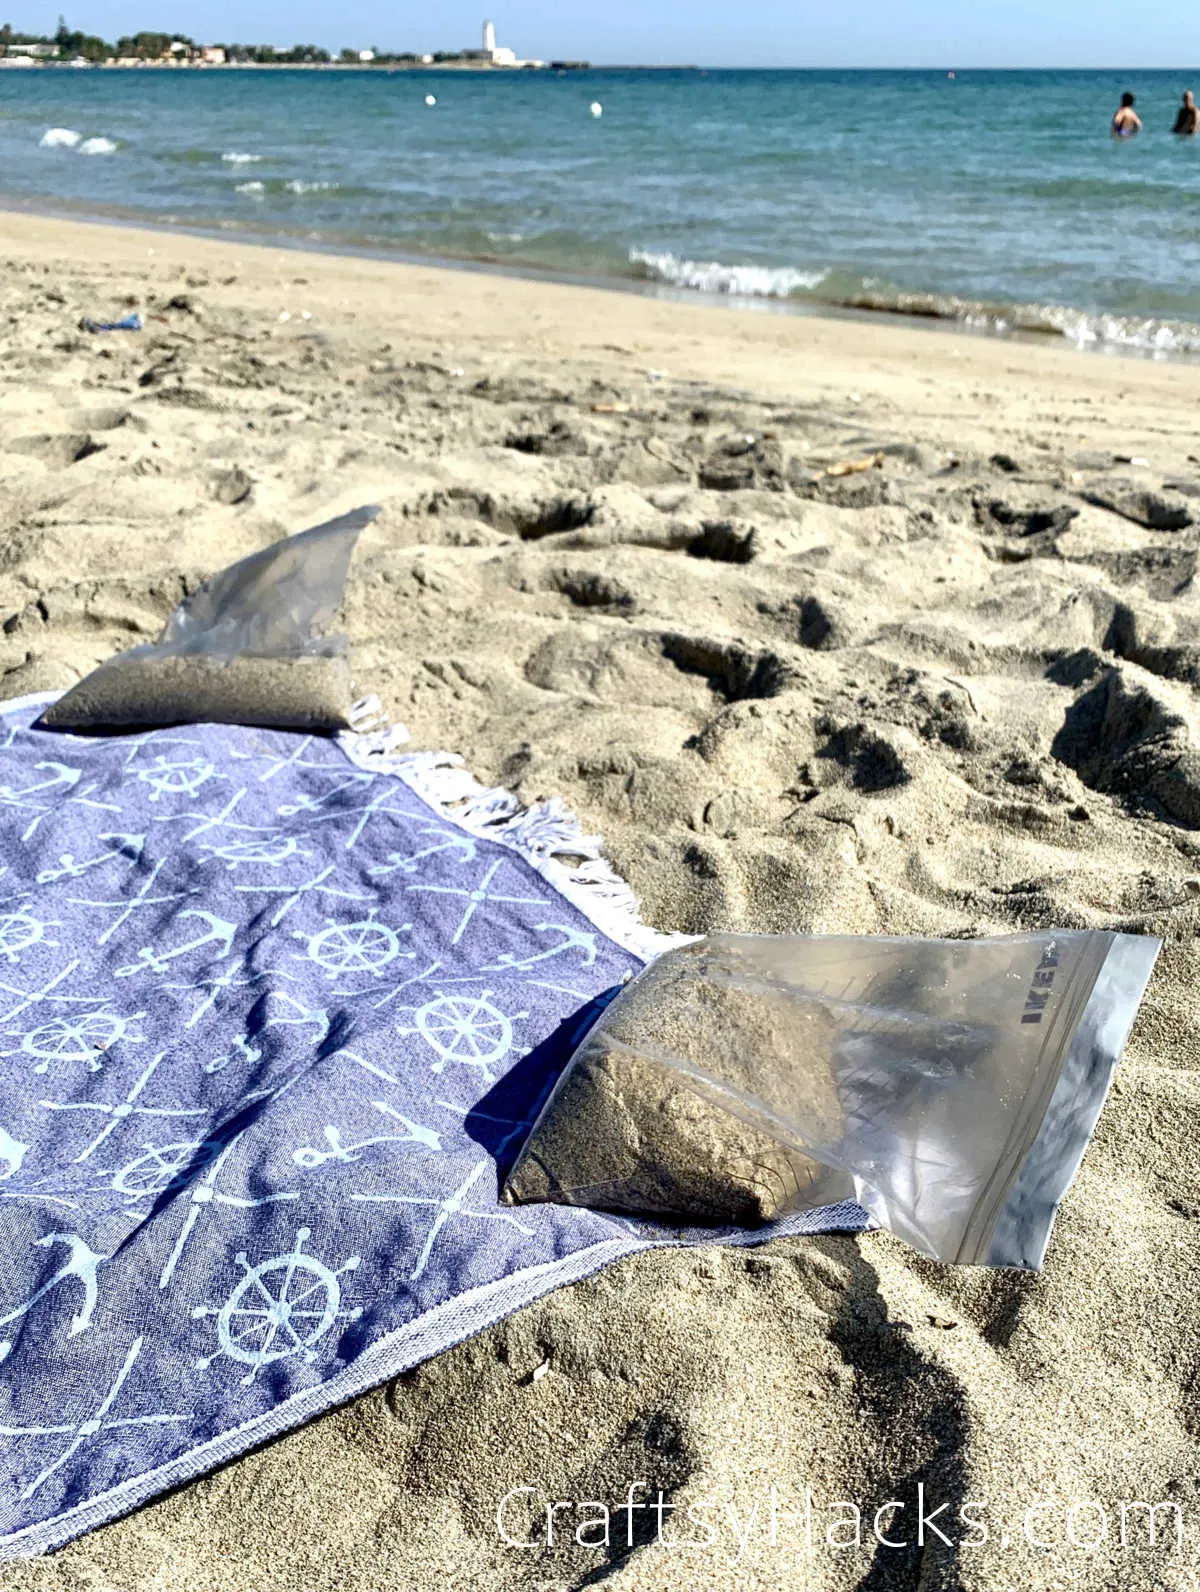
(1189, 100)
(1127, 102)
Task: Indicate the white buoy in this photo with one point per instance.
(597, 108)
(431, 99)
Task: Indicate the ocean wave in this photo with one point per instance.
(298, 185)
(236, 158)
(1082, 328)
(738, 281)
(256, 189)
(60, 138)
(843, 290)
(1092, 330)
(97, 146)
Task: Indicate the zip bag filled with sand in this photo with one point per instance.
(949, 1087)
(248, 647)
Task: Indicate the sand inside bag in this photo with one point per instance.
(306, 691)
(673, 1104)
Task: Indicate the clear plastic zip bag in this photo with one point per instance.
(949, 1086)
(247, 647)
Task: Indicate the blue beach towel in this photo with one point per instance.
(273, 1011)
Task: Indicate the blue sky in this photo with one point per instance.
(1080, 33)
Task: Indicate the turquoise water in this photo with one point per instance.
(996, 199)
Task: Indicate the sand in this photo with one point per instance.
(613, 567)
(646, 1117)
(311, 691)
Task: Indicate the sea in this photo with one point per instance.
(994, 200)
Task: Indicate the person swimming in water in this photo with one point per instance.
(1187, 124)
(1126, 123)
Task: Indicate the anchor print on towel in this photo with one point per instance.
(59, 777)
(130, 847)
(280, 1309)
(572, 940)
(324, 805)
(240, 1051)
(219, 932)
(309, 1157)
(86, 1431)
(462, 848)
(83, 1264)
(301, 1016)
(451, 1208)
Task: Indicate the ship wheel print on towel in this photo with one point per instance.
(19, 931)
(280, 1309)
(81, 1031)
(341, 950)
(465, 1031)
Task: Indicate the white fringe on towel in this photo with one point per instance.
(548, 835)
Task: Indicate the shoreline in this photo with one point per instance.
(473, 316)
(924, 317)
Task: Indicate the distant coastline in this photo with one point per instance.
(323, 66)
(73, 49)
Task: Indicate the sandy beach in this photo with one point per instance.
(826, 626)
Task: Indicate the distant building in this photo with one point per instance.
(33, 52)
(213, 56)
(366, 56)
(493, 54)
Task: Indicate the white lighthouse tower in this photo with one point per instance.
(489, 38)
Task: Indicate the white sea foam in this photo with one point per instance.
(1097, 330)
(256, 189)
(740, 281)
(60, 138)
(236, 158)
(1114, 331)
(97, 146)
(298, 185)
